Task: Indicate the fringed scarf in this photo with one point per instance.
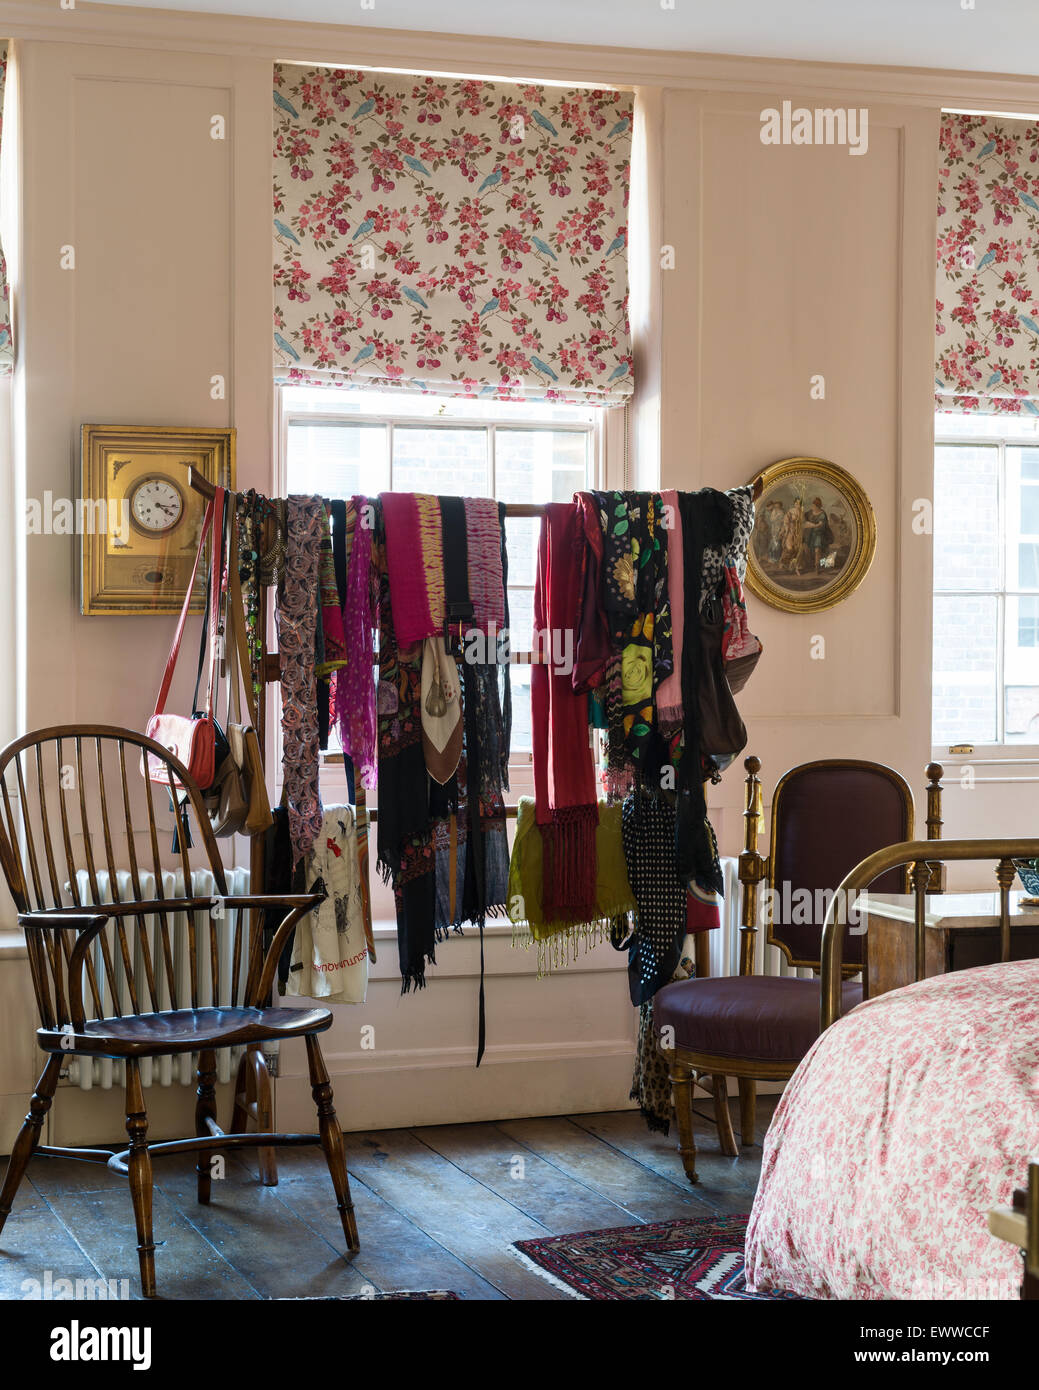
(564, 777)
(297, 621)
(559, 940)
(415, 559)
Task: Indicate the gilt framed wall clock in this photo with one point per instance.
(814, 536)
(140, 545)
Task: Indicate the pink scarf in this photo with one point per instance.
(415, 563)
(483, 534)
(670, 715)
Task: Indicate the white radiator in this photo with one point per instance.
(725, 943)
(178, 1070)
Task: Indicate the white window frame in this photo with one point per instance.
(609, 468)
(1024, 757)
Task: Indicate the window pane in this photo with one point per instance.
(1028, 565)
(521, 721)
(966, 517)
(965, 669)
(1029, 509)
(1021, 669)
(1030, 465)
(521, 539)
(337, 460)
(1027, 623)
(1022, 714)
(521, 619)
(450, 463)
(540, 465)
(536, 466)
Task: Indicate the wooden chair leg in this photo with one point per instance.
(205, 1110)
(682, 1088)
(331, 1140)
(726, 1138)
(253, 1100)
(139, 1168)
(29, 1134)
(748, 1109)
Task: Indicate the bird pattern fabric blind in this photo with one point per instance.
(987, 346)
(454, 236)
(6, 342)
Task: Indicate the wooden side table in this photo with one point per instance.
(962, 930)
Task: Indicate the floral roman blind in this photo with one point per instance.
(454, 236)
(6, 343)
(987, 348)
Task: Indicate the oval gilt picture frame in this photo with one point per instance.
(814, 536)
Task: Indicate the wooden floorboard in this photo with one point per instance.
(639, 1193)
(534, 1185)
(396, 1254)
(461, 1214)
(437, 1208)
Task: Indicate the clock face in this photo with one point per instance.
(156, 505)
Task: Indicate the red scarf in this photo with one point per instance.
(564, 774)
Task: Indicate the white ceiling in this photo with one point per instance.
(996, 36)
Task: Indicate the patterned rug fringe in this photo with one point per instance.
(543, 1273)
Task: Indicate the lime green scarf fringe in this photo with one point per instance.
(560, 942)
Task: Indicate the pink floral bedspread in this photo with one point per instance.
(908, 1120)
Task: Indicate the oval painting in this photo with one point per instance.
(814, 536)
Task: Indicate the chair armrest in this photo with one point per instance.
(86, 923)
(258, 987)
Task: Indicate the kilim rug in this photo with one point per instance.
(417, 1295)
(665, 1260)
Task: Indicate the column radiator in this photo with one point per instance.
(105, 1072)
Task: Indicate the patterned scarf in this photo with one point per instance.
(333, 639)
(297, 619)
(638, 610)
(415, 561)
(648, 829)
(483, 537)
(256, 514)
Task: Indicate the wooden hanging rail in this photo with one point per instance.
(518, 509)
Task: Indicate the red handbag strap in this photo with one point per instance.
(216, 584)
(215, 504)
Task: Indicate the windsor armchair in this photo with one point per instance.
(129, 962)
(826, 817)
